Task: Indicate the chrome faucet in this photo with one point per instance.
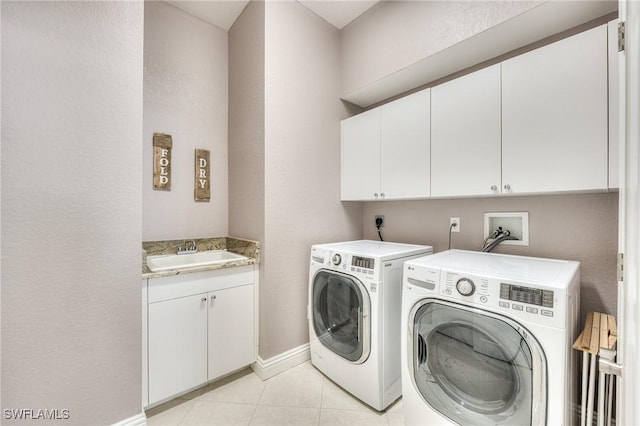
(189, 247)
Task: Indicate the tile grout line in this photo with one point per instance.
(184, 416)
(255, 410)
(321, 399)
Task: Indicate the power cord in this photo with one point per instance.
(378, 225)
(453, 225)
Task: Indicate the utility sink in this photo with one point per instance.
(180, 261)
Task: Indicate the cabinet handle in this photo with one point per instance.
(204, 299)
(507, 187)
(382, 195)
(494, 188)
(213, 297)
(375, 194)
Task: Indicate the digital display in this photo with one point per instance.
(531, 296)
(362, 262)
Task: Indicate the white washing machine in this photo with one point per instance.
(355, 300)
(486, 339)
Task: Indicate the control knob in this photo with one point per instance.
(336, 259)
(465, 287)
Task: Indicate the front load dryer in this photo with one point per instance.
(355, 299)
(486, 339)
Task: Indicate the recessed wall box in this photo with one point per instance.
(516, 222)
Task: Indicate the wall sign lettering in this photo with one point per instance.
(202, 190)
(162, 161)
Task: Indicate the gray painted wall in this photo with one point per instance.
(395, 34)
(582, 227)
(246, 124)
(284, 156)
(302, 173)
(71, 209)
(185, 95)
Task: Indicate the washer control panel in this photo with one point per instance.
(465, 287)
(360, 266)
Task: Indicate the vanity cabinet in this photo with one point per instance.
(230, 330)
(555, 117)
(177, 346)
(466, 135)
(199, 327)
(386, 151)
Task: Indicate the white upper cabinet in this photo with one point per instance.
(466, 135)
(614, 107)
(404, 147)
(361, 156)
(385, 151)
(554, 116)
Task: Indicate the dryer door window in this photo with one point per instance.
(475, 367)
(341, 315)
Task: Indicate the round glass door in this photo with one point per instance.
(341, 315)
(475, 367)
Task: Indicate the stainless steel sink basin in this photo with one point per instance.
(181, 261)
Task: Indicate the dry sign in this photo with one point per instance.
(202, 190)
(162, 161)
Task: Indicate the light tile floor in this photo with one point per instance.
(300, 396)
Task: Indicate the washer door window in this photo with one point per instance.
(475, 367)
(341, 315)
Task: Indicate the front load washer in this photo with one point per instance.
(486, 339)
(355, 300)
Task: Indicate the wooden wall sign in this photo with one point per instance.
(202, 190)
(162, 161)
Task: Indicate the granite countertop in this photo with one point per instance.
(247, 248)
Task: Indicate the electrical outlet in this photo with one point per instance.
(455, 221)
(381, 217)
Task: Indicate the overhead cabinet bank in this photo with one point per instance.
(536, 123)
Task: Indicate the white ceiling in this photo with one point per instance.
(338, 12)
(223, 13)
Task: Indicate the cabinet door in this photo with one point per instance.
(404, 147)
(554, 104)
(177, 346)
(466, 135)
(361, 156)
(231, 330)
(614, 106)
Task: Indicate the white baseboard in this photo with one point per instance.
(265, 369)
(138, 420)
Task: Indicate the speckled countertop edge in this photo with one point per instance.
(247, 248)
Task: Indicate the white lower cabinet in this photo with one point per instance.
(177, 346)
(231, 319)
(200, 326)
